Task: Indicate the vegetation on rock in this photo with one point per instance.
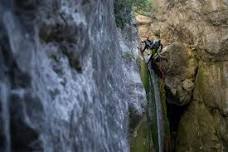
(123, 10)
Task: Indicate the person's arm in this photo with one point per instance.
(144, 46)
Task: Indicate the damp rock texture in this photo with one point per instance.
(195, 36)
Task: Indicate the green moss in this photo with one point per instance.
(201, 76)
(197, 131)
(144, 74)
(140, 142)
(149, 125)
(152, 116)
(123, 10)
(144, 7)
(165, 117)
(134, 119)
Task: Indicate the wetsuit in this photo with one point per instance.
(147, 44)
(155, 46)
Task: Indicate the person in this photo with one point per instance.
(147, 44)
(155, 47)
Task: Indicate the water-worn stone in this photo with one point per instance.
(179, 69)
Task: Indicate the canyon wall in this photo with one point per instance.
(195, 36)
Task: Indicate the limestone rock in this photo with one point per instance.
(188, 85)
(179, 72)
(196, 71)
(197, 131)
(46, 104)
(144, 23)
(143, 19)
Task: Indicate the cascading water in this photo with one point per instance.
(159, 113)
(155, 113)
(66, 84)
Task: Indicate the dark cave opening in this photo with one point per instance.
(174, 114)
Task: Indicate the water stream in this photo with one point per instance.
(154, 80)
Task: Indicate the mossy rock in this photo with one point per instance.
(134, 119)
(144, 73)
(197, 131)
(210, 86)
(151, 107)
(167, 139)
(139, 141)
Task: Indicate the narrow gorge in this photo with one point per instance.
(72, 78)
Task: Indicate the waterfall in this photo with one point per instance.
(154, 84)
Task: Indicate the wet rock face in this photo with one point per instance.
(23, 136)
(62, 83)
(136, 96)
(195, 36)
(202, 24)
(198, 130)
(180, 70)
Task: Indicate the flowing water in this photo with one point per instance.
(154, 80)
